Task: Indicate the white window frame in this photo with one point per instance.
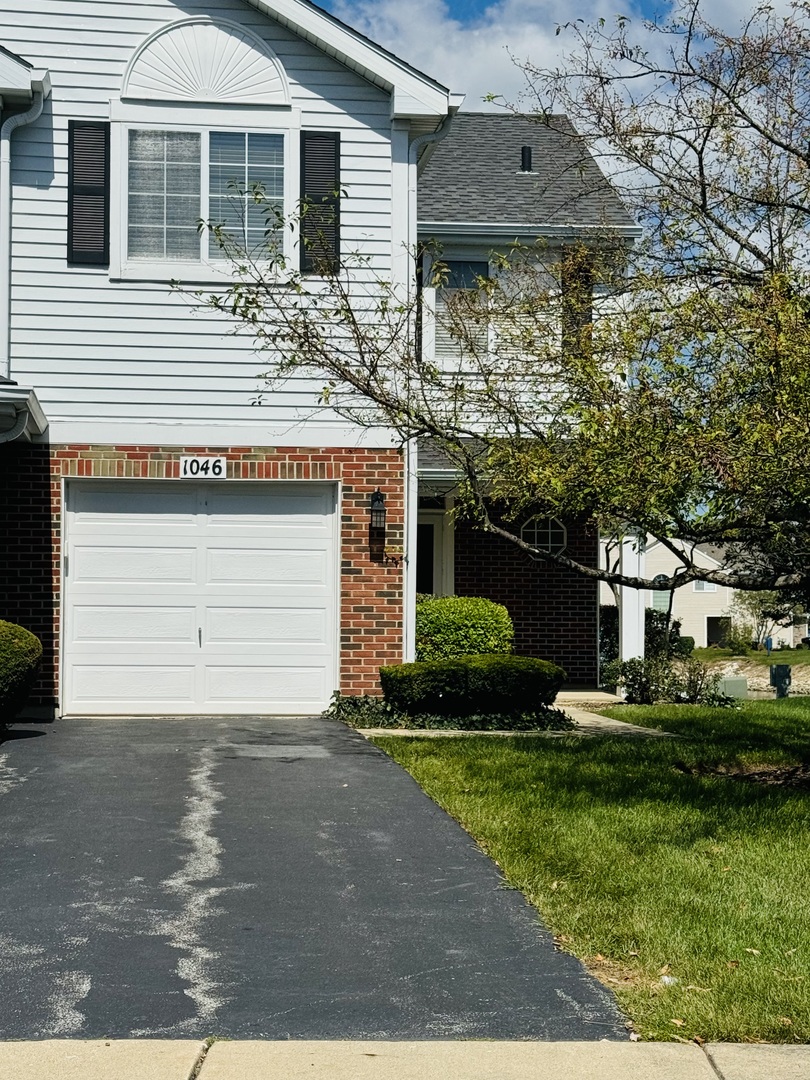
(444, 536)
(431, 294)
(285, 122)
(704, 586)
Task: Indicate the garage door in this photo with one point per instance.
(195, 598)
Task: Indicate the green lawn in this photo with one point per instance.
(645, 870)
(799, 657)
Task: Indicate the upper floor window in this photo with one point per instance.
(705, 586)
(177, 178)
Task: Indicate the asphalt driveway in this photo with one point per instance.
(257, 878)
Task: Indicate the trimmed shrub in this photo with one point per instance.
(20, 655)
(472, 685)
(684, 646)
(450, 626)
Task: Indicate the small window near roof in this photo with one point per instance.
(705, 586)
(463, 274)
(545, 533)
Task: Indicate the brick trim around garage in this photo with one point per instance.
(371, 592)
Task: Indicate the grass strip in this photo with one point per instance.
(688, 894)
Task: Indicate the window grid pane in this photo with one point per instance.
(164, 195)
(238, 163)
(545, 534)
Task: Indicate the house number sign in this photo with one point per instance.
(205, 468)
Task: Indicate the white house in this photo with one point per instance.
(177, 548)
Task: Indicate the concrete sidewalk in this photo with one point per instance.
(487, 1060)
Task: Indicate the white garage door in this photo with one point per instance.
(186, 597)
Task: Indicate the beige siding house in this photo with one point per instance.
(702, 607)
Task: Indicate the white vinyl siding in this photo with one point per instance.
(115, 352)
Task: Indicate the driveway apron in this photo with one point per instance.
(258, 878)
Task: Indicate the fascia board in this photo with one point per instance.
(25, 398)
(413, 94)
(473, 231)
(14, 76)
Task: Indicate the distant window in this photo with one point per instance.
(545, 533)
(463, 274)
(660, 600)
(705, 586)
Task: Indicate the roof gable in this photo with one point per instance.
(413, 93)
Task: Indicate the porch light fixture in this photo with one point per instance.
(376, 526)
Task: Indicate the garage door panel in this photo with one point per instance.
(267, 626)
(290, 685)
(127, 624)
(95, 504)
(133, 685)
(143, 565)
(252, 566)
(303, 511)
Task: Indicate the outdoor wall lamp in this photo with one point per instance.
(376, 526)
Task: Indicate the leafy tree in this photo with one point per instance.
(660, 389)
(763, 611)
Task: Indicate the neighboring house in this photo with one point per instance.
(498, 179)
(703, 608)
(177, 548)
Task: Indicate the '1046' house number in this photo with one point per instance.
(203, 468)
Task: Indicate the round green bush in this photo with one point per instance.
(470, 685)
(451, 626)
(20, 655)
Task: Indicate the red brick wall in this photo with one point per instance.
(371, 593)
(555, 612)
(28, 565)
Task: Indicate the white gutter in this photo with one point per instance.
(41, 91)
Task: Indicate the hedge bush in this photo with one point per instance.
(450, 626)
(20, 655)
(472, 685)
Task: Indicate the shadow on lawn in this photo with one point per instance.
(608, 772)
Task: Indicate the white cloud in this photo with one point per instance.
(475, 58)
(472, 58)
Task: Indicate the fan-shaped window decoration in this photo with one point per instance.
(209, 61)
(546, 534)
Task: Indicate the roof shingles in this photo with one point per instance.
(474, 176)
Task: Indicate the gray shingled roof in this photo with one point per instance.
(474, 176)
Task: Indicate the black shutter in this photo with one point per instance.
(88, 193)
(320, 200)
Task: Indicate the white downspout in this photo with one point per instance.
(6, 131)
(412, 478)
